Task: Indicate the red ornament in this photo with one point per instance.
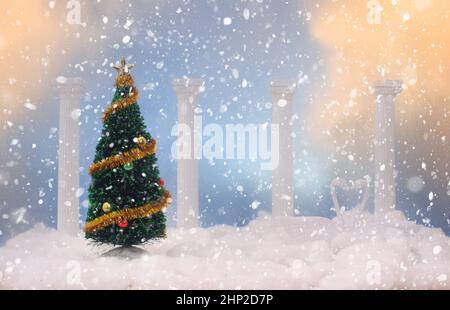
(122, 223)
(161, 182)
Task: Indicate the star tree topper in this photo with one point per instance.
(122, 67)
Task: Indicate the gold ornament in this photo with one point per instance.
(141, 141)
(106, 207)
(129, 214)
(123, 158)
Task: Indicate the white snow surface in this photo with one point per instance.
(355, 251)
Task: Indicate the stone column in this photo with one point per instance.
(282, 176)
(187, 91)
(69, 156)
(385, 92)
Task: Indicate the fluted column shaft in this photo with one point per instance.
(385, 92)
(282, 176)
(187, 91)
(69, 156)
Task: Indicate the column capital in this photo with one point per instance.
(388, 87)
(187, 86)
(282, 88)
(71, 85)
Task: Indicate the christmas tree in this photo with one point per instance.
(127, 195)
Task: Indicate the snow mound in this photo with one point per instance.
(354, 251)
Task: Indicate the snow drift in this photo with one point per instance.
(355, 251)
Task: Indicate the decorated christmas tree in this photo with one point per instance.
(127, 195)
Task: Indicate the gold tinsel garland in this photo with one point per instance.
(129, 214)
(124, 80)
(120, 104)
(123, 158)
